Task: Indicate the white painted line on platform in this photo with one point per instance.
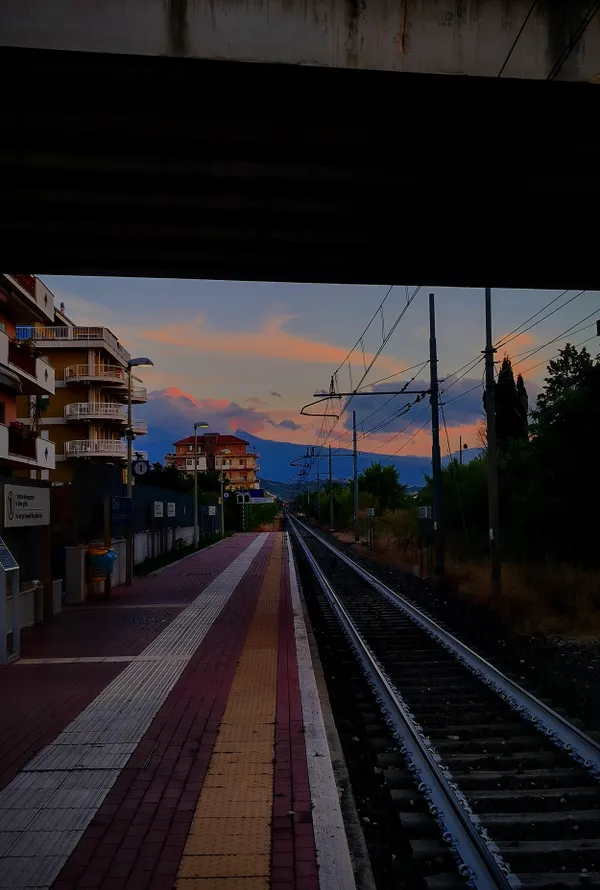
(333, 854)
(45, 810)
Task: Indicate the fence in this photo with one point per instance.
(77, 512)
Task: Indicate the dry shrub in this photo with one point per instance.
(536, 598)
(547, 598)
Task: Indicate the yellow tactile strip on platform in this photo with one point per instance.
(229, 844)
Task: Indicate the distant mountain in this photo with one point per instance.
(171, 413)
(282, 490)
(275, 458)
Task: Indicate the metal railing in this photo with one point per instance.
(112, 373)
(139, 394)
(21, 358)
(27, 282)
(99, 447)
(109, 410)
(50, 332)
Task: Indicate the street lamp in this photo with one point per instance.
(203, 425)
(223, 451)
(130, 435)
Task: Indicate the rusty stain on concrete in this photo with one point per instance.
(177, 26)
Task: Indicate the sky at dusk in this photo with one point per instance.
(250, 355)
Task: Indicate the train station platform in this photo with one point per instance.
(173, 737)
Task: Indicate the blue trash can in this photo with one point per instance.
(101, 562)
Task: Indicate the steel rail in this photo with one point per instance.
(580, 747)
(479, 860)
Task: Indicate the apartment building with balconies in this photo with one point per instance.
(216, 452)
(87, 417)
(25, 375)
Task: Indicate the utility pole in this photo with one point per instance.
(129, 535)
(460, 450)
(355, 467)
(436, 459)
(330, 494)
(318, 496)
(492, 452)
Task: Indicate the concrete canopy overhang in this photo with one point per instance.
(130, 165)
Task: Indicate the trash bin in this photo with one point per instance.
(101, 563)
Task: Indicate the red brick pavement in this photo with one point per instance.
(137, 838)
(293, 855)
(101, 628)
(39, 702)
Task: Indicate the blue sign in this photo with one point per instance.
(120, 508)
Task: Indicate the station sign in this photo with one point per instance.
(26, 505)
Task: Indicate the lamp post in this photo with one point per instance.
(203, 425)
(222, 480)
(130, 435)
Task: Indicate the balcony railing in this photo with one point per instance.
(19, 356)
(139, 394)
(35, 375)
(91, 410)
(64, 333)
(95, 447)
(107, 373)
(22, 443)
(20, 447)
(27, 282)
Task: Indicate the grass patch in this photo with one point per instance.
(164, 559)
(546, 598)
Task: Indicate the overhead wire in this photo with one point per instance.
(537, 349)
(368, 368)
(586, 21)
(509, 339)
(518, 37)
(546, 361)
(531, 317)
(465, 369)
(373, 317)
(454, 473)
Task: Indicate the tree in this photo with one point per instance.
(569, 372)
(171, 478)
(384, 485)
(512, 406)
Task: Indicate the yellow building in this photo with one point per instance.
(87, 417)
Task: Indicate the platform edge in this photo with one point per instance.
(331, 841)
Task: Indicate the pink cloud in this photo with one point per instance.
(271, 340)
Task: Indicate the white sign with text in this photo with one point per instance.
(25, 505)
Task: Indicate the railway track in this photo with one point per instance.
(513, 788)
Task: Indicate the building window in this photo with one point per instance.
(2, 412)
(190, 461)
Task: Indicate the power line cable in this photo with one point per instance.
(532, 352)
(509, 339)
(454, 473)
(579, 32)
(546, 361)
(531, 317)
(368, 368)
(374, 316)
(518, 37)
